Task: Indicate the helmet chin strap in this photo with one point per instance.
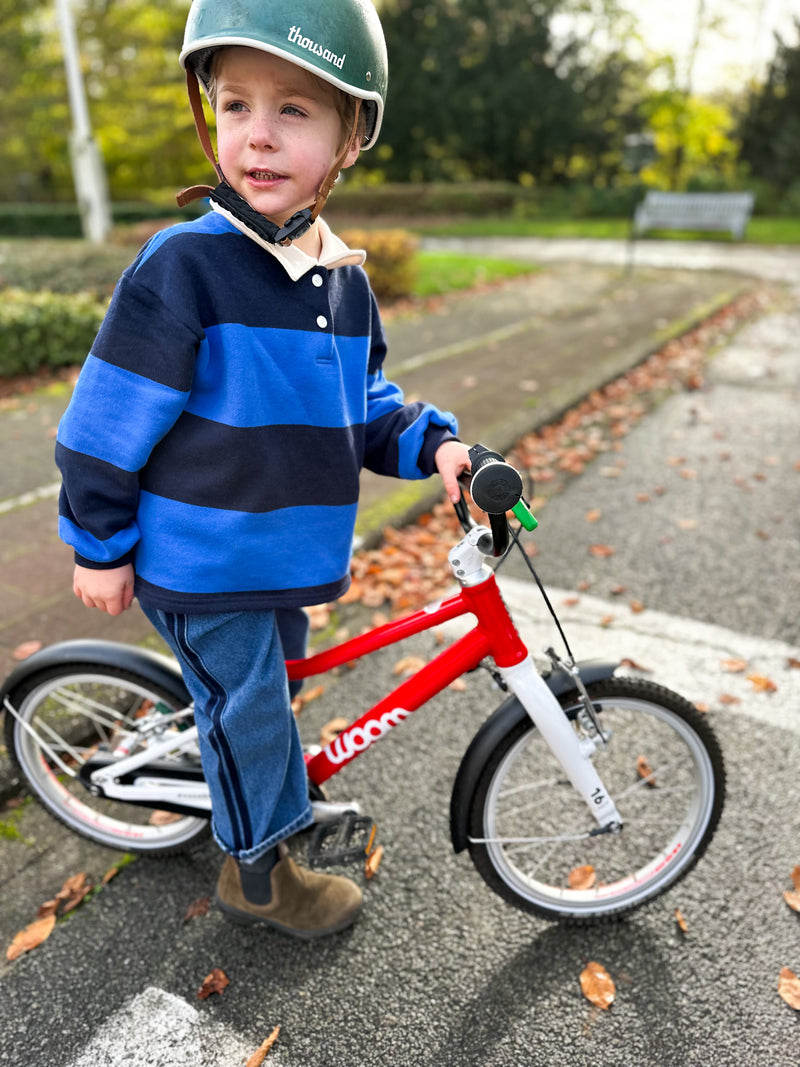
(226, 196)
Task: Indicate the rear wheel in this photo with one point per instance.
(530, 834)
(63, 717)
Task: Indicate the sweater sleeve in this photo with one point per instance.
(132, 388)
(401, 438)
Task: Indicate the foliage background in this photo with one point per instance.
(488, 90)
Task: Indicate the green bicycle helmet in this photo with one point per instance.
(341, 41)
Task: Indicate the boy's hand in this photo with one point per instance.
(109, 590)
(452, 459)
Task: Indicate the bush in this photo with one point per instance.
(391, 260)
(46, 329)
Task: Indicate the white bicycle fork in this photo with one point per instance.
(573, 755)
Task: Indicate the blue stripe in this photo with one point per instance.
(91, 548)
(129, 414)
(410, 441)
(383, 398)
(287, 549)
(246, 376)
(229, 776)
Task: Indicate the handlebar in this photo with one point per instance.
(496, 487)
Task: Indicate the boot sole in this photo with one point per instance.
(244, 918)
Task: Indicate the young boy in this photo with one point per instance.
(211, 452)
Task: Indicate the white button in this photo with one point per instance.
(322, 322)
(316, 279)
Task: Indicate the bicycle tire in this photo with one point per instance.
(74, 708)
(528, 828)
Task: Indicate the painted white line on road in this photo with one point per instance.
(692, 658)
(45, 492)
(158, 1029)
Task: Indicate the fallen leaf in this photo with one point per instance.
(643, 498)
(728, 698)
(331, 730)
(459, 685)
(597, 985)
(163, 818)
(644, 770)
(734, 666)
(319, 616)
(373, 862)
(618, 590)
(50, 907)
(31, 937)
(793, 662)
(606, 620)
(582, 877)
(571, 601)
(636, 606)
(215, 982)
(792, 898)
(633, 665)
(112, 872)
(601, 551)
(687, 524)
(73, 891)
(27, 648)
(593, 515)
(683, 926)
(408, 665)
(789, 988)
(795, 876)
(197, 908)
(306, 697)
(258, 1056)
(687, 473)
(701, 706)
(761, 683)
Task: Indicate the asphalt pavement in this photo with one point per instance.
(701, 509)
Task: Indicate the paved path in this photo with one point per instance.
(780, 263)
(439, 973)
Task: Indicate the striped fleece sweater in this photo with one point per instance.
(218, 427)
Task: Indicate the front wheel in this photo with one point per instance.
(531, 836)
(66, 715)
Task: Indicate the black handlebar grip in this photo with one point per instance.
(495, 486)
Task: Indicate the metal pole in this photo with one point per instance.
(88, 172)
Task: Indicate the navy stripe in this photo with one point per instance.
(141, 334)
(255, 469)
(229, 778)
(103, 500)
(182, 275)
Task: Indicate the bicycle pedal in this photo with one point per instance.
(346, 839)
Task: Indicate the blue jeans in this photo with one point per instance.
(233, 667)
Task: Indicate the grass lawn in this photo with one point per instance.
(760, 230)
(445, 272)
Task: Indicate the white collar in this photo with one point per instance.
(296, 263)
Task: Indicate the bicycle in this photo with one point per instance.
(580, 798)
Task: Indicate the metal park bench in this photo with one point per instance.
(694, 211)
(690, 211)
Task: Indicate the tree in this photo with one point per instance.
(771, 127)
(485, 89)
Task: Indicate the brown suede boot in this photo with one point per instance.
(303, 904)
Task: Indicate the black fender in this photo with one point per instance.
(500, 722)
(157, 669)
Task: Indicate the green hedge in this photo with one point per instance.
(46, 329)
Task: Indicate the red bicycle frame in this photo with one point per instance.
(493, 635)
